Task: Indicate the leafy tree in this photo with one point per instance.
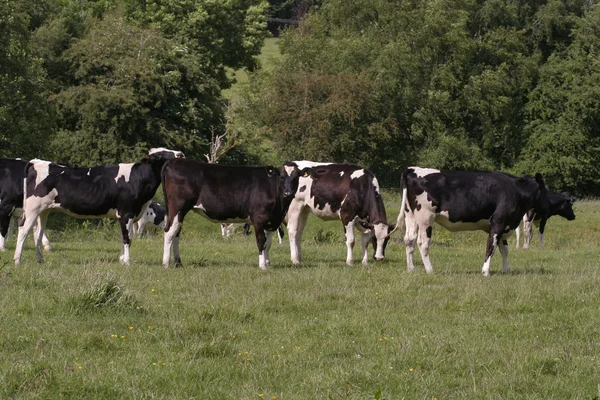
(25, 118)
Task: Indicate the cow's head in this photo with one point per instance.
(161, 153)
(562, 204)
(289, 175)
(379, 238)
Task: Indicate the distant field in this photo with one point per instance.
(84, 326)
(270, 52)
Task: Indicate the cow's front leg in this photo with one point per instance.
(28, 219)
(541, 231)
(297, 217)
(493, 239)
(39, 235)
(263, 242)
(349, 228)
(126, 224)
(365, 238)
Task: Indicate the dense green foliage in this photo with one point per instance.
(452, 84)
(91, 82)
(84, 326)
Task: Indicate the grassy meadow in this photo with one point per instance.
(83, 326)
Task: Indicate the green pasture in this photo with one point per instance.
(83, 326)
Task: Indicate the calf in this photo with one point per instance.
(257, 195)
(343, 192)
(120, 191)
(493, 202)
(12, 174)
(154, 214)
(559, 204)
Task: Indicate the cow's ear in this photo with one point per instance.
(272, 170)
(305, 172)
(539, 178)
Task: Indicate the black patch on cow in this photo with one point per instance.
(429, 231)
(302, 188)
(418, 207)
(505, 242)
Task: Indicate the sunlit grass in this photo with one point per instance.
(83, 326)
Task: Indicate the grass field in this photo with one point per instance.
(83, 326)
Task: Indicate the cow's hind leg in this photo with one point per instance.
(171, 239)
(424, 234)
(410, 238)
(503, 247)
(349, 228)
(39, 234)
(29, 218)
(365, 237)
(5, 228)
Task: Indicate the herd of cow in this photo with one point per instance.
(268, 198)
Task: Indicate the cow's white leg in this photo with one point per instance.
(127, 233)
(30, 214)
(424, 238)
(349, 241)
(527, 233)
(223, 230)
(492, 243)
(168, 240)
(503, 247)
(365, 238)
(139, 227)
(297, 217)
(39, 230)
(9, 229)
(410, 239)
(264, 261)
(518, 235)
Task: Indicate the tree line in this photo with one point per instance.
(467, 84)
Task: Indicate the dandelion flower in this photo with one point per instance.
(411, 370)
(130, 328)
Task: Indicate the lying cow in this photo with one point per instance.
(559, 204)
(493, 202)
(12, 174)
(345, 192)
(154, 215)
(257, 195)
(121, 191)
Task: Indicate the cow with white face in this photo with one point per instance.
(154, 215)
(559, 204)
(345, 192)
(12, 174)
(493, 202)
(121, 191)
(227, 194)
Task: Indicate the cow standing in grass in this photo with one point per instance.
(345, 192)
(121, 191)
(12, 175)
(154, 215)
(559, 204)
(257, 195)
(493, 202)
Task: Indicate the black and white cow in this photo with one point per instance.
(493, 202)
(345, 192)
(121, 191)
(12, 174)
(154, 215)
(225, 194)
(559, 204)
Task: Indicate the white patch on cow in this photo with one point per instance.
(124, 171)
(443, 220)
(341, 173)
(421, 172)
(381, 231)
(289, 170)
(357, 174)
(42, 169)
(177, 154)
(89, 172)
(305, 164)
(350, 242)
(62, 172)
(200, 207)
(169, 238)
(486, 266)
(376, 184)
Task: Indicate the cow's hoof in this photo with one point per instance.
(47, 249)
(166, 266)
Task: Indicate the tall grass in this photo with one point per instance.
(83, 326)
